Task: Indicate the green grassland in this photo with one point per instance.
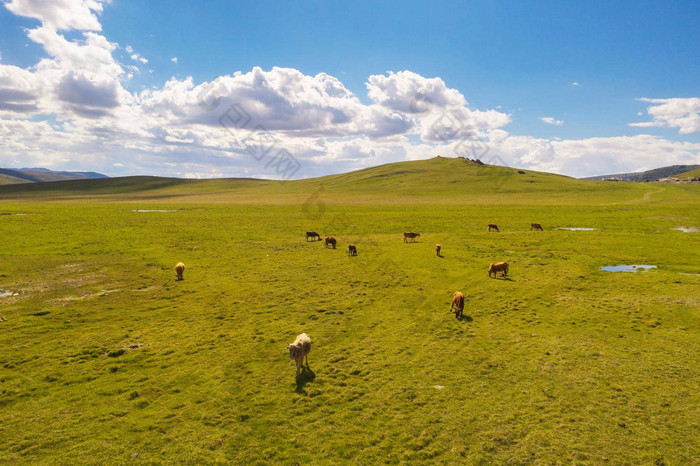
(106, 358)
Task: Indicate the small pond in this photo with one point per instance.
(628, 268)
(154, 210)
(578, 229)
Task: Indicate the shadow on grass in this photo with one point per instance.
(506, 279)
(464, 318)
(305, 376)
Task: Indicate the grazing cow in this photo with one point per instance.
(330, 241)
(412, 236)
(313, 235)
(352, 250)
(437, 249)
(536, 226)
(180, 270)
(457, 304)
(493, 226)
(498, 267)
(300, 350)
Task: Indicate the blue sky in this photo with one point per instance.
(506, 70)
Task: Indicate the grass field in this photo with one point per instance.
(107, 359)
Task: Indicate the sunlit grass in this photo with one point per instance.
(106, 358)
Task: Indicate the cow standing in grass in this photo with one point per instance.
(536, 226)
(498, 267)
(330, 241)
(457, 304)
(493, 226)
(313, 235)
(438, 248)
(413, 236)
(180, 270)
(352, 250)
(300, 350)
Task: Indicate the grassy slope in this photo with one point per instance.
(561, 363)
(7, 179)
(690, 174)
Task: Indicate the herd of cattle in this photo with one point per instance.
(299, 350)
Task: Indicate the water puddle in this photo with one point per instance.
(687, 230)
(154, 210)
(628, 268)
(578, 229)
(7, 293)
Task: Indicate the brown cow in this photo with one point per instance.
(180, 270)
(330, 240)
(352, 250)
(437, 249)
(457, 304)
(493, 226)
(536, 226)
(498, 267)
(412, 236)
(300, 350)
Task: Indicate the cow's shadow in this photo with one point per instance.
(465, 318)
(305, 376)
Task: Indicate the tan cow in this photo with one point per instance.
(498, 267)
(438, 248)
(180, 270)
(457, 304)
(300, 350)
(412, 236)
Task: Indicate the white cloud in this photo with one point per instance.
(137, 57)
(575, 83)
(552, 121)
(593, 156)
(443, 113)
(61, 14)
(71, 111)
(681, 113)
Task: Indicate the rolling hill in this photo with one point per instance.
(42, 175)
(690, 174)
(437, 177)
(649, 175)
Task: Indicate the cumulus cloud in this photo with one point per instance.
(443, 113)
(552, 121)
(575, 83)
(61, 14)
(282, 100)
(71, 111)
(593, 156)
(681, 113)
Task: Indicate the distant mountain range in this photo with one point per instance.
(649, 175)
(39, 175)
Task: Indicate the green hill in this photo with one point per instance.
(690, 174)
(649, 175)
(448, 179)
